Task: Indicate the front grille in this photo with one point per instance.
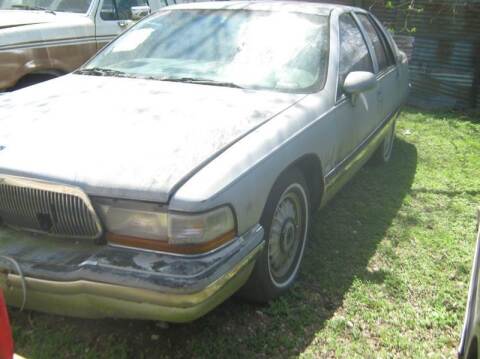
(48, 208)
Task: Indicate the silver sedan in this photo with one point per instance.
(182, 163)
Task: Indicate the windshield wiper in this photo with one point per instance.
(28, 7)
(98, 71)
(200, 81)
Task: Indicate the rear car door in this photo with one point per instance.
(113, 17)
(387, 72)
(354, 118)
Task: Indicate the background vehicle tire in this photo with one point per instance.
(383, 154)
(286, 221)
(32, 79)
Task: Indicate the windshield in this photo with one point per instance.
(77, 6)
(239, 48)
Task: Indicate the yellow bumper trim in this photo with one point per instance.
(87, 299)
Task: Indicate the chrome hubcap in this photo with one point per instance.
(286, 236)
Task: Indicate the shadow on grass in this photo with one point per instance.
(344, 237)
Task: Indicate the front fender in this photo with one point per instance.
(244, 174)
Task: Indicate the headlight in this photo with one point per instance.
(151, 226)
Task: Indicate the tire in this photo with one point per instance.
(32, 79)
(286, 222)
(383, 154)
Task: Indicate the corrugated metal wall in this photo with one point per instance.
(445, 62)
(444, 49)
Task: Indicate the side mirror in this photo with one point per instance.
(357, 82)
(139, 12)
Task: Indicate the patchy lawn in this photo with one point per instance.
(386, 271)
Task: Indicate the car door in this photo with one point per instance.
(113, 17)
(387, 72)
(354, 116)
(468, 347)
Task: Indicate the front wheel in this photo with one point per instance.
(286, 222)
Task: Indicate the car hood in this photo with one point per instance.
(12, 18)
(125, 138)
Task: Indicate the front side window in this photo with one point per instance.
(354, 55)
(119, 9)
(384, 58)
(245, 48)
(75, 6)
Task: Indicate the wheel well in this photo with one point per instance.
(473, 349)
(36, 77)
(311, 168)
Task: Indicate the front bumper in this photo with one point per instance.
(86, 280)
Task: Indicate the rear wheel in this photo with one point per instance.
(285, 221)
(384, 151)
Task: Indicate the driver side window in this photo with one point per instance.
(119, 9)
(354, 55)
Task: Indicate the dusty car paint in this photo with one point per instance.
(206, 146)
(156, 125)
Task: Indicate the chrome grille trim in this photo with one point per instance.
(46, 207)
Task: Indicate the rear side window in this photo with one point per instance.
(354, 55)
(380, 45)
(119, 9)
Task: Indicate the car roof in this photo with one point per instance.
(272, 5)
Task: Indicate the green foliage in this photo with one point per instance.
(405, 10)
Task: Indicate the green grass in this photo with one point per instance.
(385, 274)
